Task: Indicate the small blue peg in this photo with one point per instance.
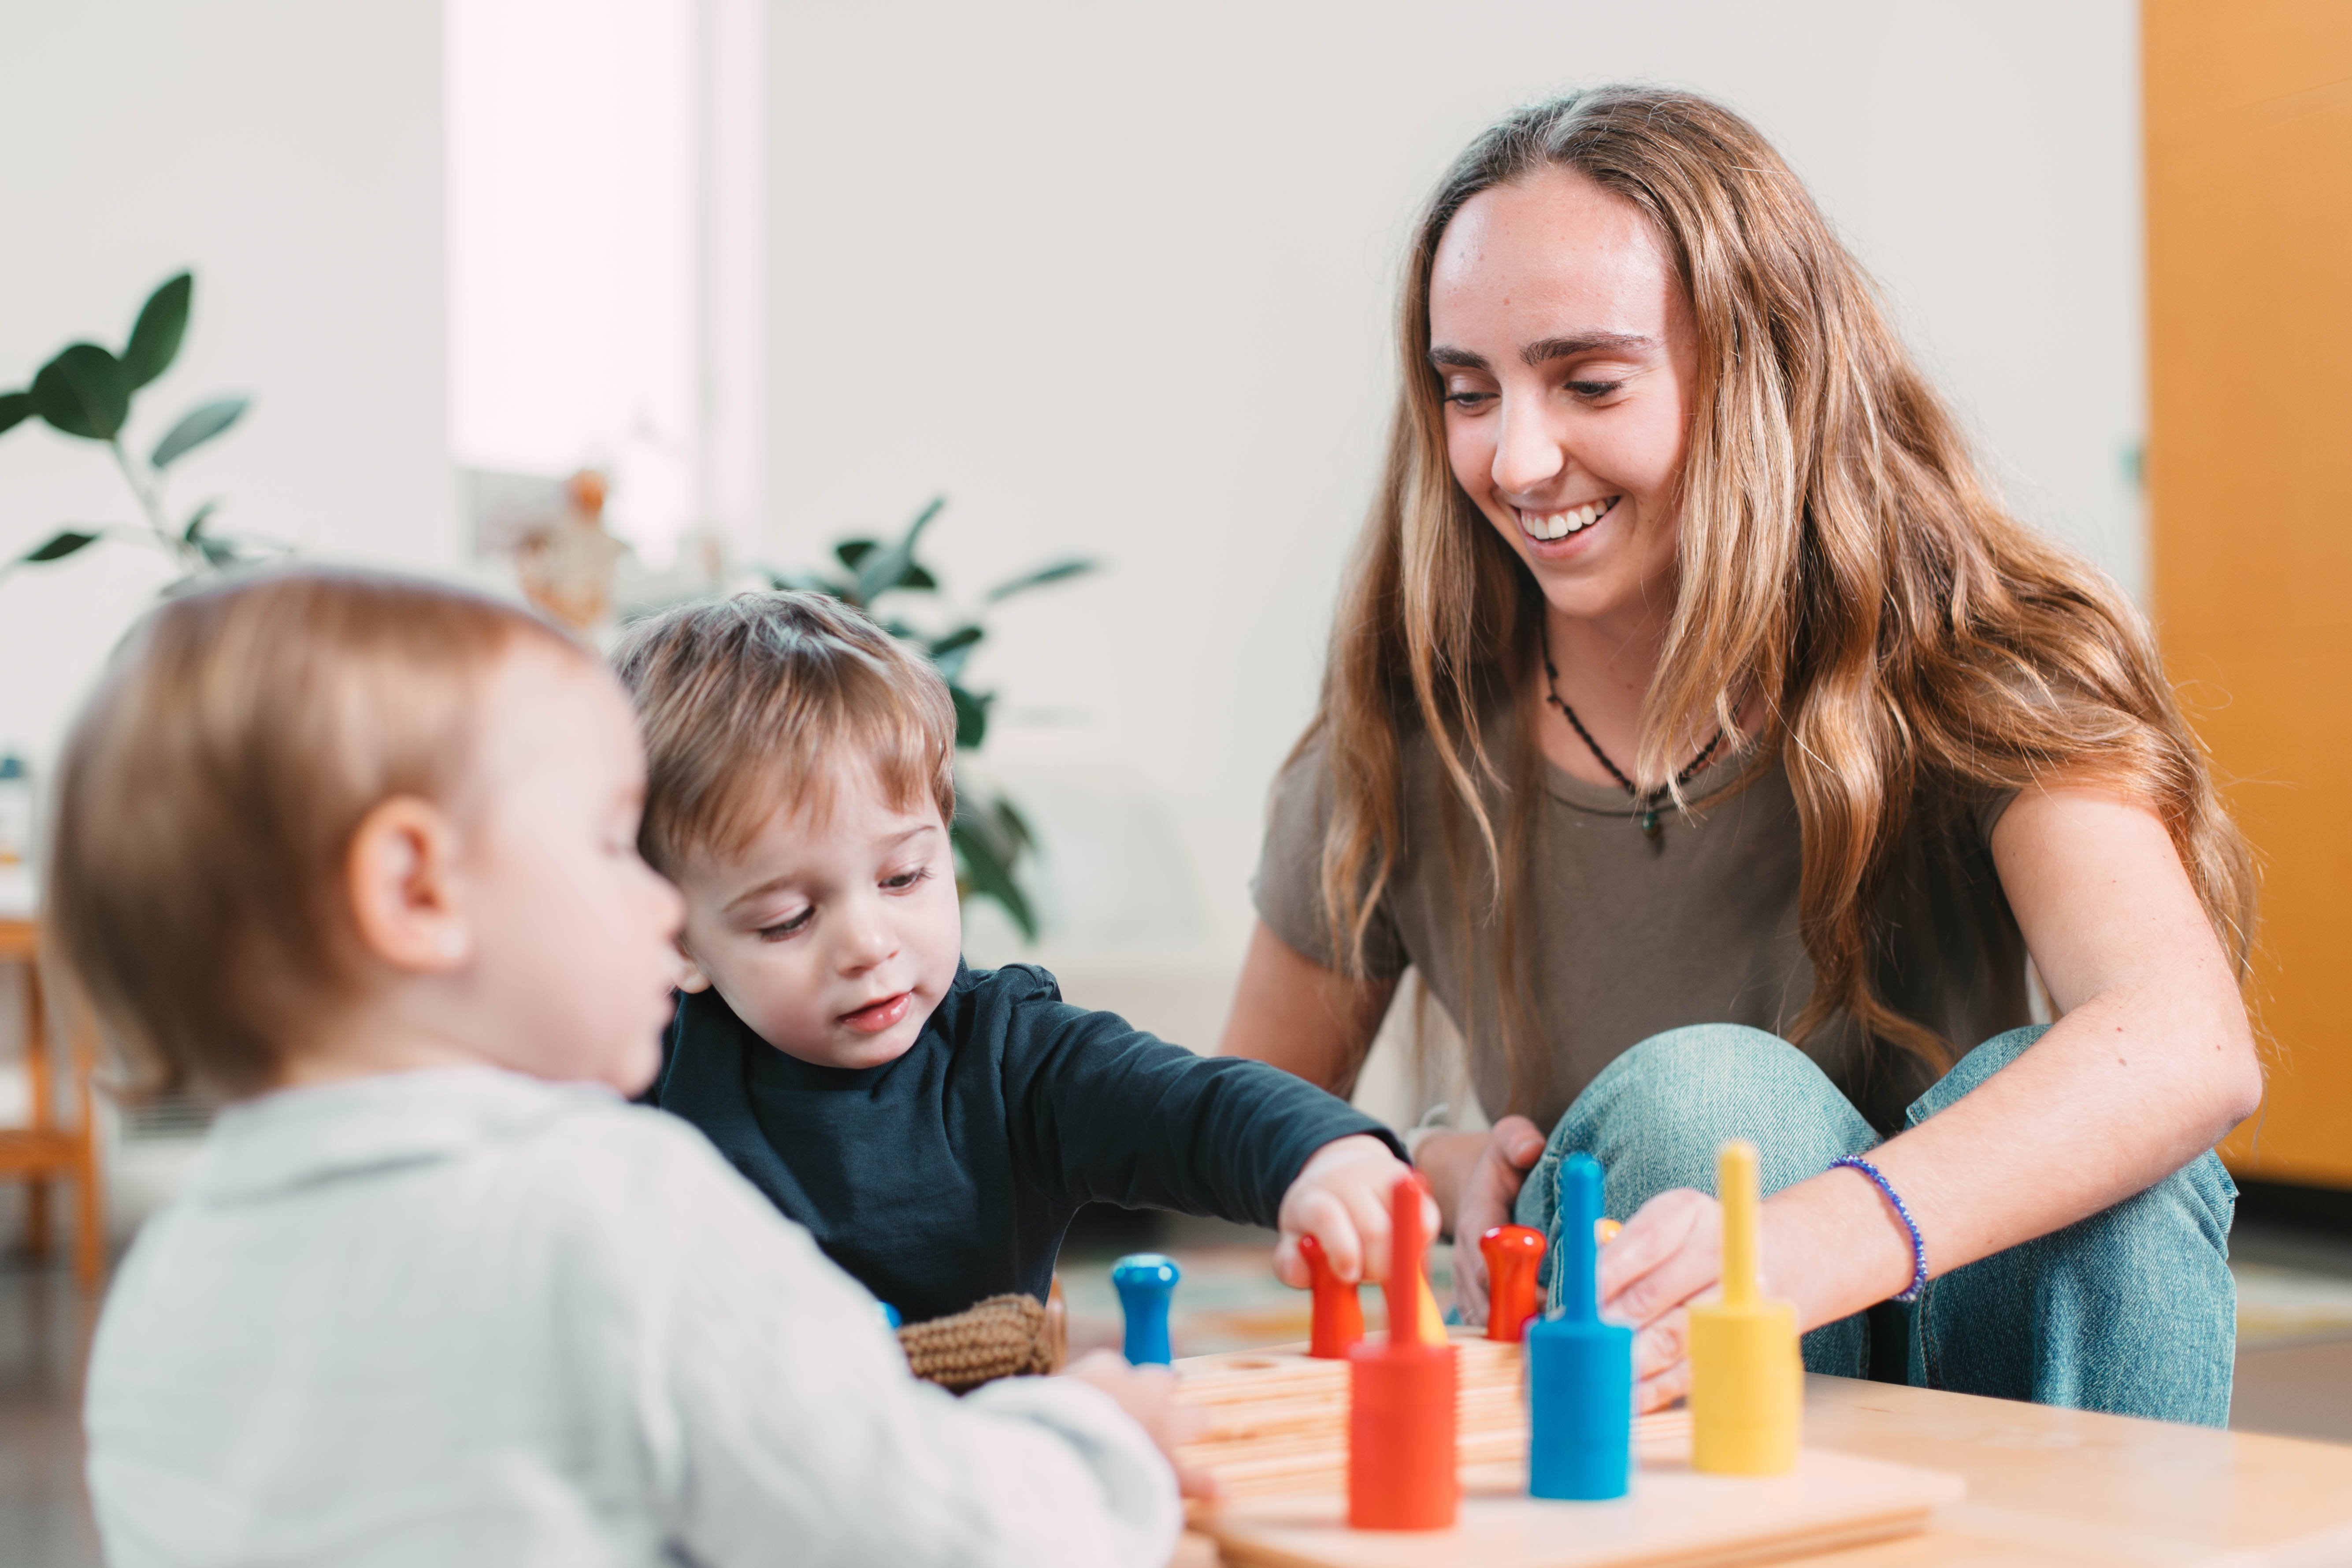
(1580, 1369)
(1145, 1281)
(890, 1316)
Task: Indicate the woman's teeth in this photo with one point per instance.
(1560, 525)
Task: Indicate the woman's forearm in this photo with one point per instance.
(2118, 1095)
(2150, 1063)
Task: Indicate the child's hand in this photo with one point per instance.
(1341, 1198)
(1147, 1394)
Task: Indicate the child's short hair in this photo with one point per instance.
(209, 790)
(753, 701)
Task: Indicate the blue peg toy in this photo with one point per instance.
(1580, 1369)
(1145, 1281)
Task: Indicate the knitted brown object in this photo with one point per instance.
(1004, 1336)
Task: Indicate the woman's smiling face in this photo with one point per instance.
(1568, 361)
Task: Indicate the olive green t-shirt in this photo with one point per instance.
(1622, 937)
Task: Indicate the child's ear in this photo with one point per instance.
(402, 896)
(690, 978)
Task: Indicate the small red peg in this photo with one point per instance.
(1513, 1253)
(1338, 1315)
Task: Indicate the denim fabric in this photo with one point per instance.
(2131, 1310)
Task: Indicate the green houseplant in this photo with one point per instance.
(990, 835)
(86, 391)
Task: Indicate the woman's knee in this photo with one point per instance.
(1656, 1117)
(1972, 1069)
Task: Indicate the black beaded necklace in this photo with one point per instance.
(1648, 802)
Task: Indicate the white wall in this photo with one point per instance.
(290, 153)
(1117, 280)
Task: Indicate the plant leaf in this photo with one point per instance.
(156, 336)
(949, 653)
(972, 716)
(1060, 571)
(15, 408)
(83, 392)
(1015, 827)
(988, 875)
(850, 551)
(59, 545)
(805, 582)
(957, 640)
(197, 519)
(196, 426)
(884, 570)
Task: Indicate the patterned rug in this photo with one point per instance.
(2282, 1306)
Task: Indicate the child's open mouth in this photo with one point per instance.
(877, 1017)
(1550, 525)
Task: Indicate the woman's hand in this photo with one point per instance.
(1147, 1394)
(1341, 1197)
(1670, 1250)
(1829, 1245)
(1484, 1200)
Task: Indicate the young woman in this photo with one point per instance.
(1701, 729)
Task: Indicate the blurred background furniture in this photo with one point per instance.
(42, 1152)
(2249, 126)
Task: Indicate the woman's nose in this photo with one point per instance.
(1528, 455)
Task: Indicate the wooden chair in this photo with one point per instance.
(42, 1152)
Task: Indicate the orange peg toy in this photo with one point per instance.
(1513, 1254)
(1401, 1400)
(1338, 1315)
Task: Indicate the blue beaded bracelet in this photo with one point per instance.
(1919, 1247)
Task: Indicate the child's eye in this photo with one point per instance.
(787, 928)
(905, 879)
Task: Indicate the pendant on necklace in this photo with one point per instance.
(1650, 822)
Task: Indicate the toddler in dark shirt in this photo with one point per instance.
(933, 1126)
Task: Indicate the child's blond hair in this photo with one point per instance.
(754, 701)
(210, 790)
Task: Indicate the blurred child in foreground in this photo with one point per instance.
(359, 854)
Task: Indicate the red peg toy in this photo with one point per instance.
(1401, 1410)
(1513, 1253)
(1338, 1315)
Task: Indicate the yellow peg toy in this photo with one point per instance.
(1746, 1380)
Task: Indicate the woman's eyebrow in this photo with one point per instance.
(1546, 350)
(1551, 349)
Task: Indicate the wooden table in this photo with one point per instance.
(2049, 1487)
(2064, 1486)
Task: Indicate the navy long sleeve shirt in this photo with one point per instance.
(950, 1174)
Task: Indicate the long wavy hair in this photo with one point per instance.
(1839, 554)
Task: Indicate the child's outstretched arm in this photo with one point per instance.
(1341, 1199)
(776, 1407)
(1105, 1112)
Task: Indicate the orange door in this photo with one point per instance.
(2249, 140)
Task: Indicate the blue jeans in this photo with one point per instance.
(2131, 1310)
